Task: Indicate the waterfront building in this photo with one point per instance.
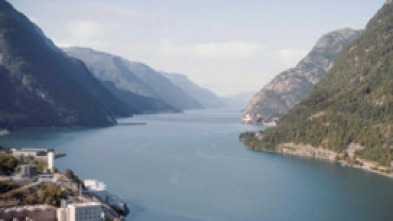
(97, 188)
(94, 185)
(248, 118)
(90, 211)
(51, 160)
(29, 152)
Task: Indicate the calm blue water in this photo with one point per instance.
(191, 167)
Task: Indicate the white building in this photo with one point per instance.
(51, 160)
(247, 118)
(91, 211)
(94, 185)
(97, 188)
(29, 152)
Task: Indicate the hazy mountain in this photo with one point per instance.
(291, 86)
(142, 104)
(134, 77)
(41, 86)
(204, 96)
(238, 101)
(351, 108)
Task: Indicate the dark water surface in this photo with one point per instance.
(186, 167)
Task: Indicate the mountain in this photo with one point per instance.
(134, 77)
(350, 111)
(291, 86)
(42, 86)
(141, 104)
(204, 96)
(238, 101)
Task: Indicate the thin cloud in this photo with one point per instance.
(227, 50)
(84, 30)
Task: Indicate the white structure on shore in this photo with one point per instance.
(90, 211)
(97, 188)
(94, 185)
(29, 152)
(51, 160)
(247, 119)
(39, 154)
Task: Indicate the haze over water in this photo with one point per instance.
(189, 167)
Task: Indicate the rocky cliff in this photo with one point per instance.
(293, 85)
(350, 111)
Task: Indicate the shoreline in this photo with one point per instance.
(309, 152)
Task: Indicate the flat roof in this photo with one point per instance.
(30, 150)
(85, 204)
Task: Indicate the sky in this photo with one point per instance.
(228, 46)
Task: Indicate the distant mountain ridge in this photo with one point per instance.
(290, 87)
(134, 77)
(204, 96)
(42, 86)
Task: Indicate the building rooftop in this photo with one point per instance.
(94, 185)
(30, 150)
(85, 204)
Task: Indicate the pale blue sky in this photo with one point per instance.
(229, 46)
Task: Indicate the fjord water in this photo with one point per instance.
(191, 167)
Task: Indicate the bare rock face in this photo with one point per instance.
(291, 86)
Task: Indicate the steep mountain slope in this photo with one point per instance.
(141, 104)
(134, 77)
(350, 111)
(292, 86)
(204, 96)
(121, 81)
(42, 86)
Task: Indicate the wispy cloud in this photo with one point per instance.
(84, 30)
(84, 33)
(227, 50)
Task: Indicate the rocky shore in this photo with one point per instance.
(347, 158)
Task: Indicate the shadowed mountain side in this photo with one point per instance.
(141, 104)
(42, 86)
(134, 77)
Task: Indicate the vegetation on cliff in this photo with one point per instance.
(353, 103)
(293, 85)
